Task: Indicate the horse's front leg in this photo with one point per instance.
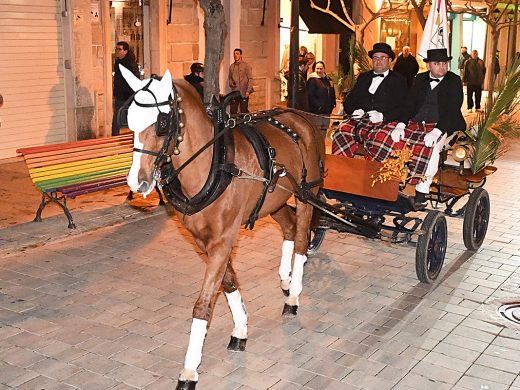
(238, 310)
(286, 218)
(218, 252)
(303, 220)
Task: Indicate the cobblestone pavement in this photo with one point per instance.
(111, 309)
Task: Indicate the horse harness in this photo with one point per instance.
(223, 168)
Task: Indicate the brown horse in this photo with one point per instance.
(170, 126)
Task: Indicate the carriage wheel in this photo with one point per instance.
(476, 219)
(431, 247)
(316, 239)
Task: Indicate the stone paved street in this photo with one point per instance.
(111, 309)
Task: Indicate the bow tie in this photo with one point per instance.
(377, 75)
(430, 80)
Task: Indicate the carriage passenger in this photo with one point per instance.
(374, 106)
(431, 115)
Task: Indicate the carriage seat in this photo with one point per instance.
(67, 170)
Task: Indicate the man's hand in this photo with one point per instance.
(397, 134)
(375, 116)
(357, 114)
(430, 139)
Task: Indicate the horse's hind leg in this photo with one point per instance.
(286, 218)
(238, 310)
(303, 220)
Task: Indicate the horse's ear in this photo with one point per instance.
(133, 82)
(165, 86)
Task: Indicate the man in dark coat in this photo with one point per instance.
(196, 78)
(407, 65)
(374, 104)
(432, 110)
(122, 91)
(474, 73)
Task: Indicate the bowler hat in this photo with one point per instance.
(439, 55)
(382, 47)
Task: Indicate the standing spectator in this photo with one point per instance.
(122, 91)
(496, 66)
(300, 100)
(321, 96)
(474, 72)
(196, 78)
(311, 63)
(240, 79)
(464, 55)
(407, 65)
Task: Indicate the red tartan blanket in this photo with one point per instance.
(378, 144)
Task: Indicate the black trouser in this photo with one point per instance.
(115, 126)
(243, 102)
(477, 89)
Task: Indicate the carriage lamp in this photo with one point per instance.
(459, 153)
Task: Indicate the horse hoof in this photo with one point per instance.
(285, 292)
(289, 310)
(236, 344)
(186, 385)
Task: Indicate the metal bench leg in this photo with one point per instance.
(53, 197)
(43, 203)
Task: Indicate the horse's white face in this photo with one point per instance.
(140, 118)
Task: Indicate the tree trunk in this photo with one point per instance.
(215, 29)
(489, 84)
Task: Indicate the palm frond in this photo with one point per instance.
(358, 57)
(497, 126)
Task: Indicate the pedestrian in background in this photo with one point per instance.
(240, 79)
(196, 78)
(474, 73)
(407, 65)
(463, 57)
(311, 63)
(321, 96)
(121, 90)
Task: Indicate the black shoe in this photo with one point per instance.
(419, 201)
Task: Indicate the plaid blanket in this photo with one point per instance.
(352, 133)
(378, 144)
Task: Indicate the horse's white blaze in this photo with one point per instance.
(194, 352)
(132, 178)
(285, 262)
(239, 313)
(297, 275)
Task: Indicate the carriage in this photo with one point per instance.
(355, 199)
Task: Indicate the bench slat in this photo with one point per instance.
(73, 145)
(55, 184)
(45, 160)
(72, 191)
(78, 167)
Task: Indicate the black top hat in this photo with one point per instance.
(382, 47)
(440, 55)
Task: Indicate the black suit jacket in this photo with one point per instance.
(450, 98)
(388, 99)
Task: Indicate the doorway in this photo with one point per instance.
(129, 22)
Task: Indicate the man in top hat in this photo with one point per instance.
(374, 105)
(430, 116)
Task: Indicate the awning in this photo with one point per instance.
(320, 22)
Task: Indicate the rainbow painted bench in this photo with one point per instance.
(62, 171)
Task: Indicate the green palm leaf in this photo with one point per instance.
(497, 126)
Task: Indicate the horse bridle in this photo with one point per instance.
(168, 125)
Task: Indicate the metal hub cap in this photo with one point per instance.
(510, 311)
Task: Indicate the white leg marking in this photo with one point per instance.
(239, 313)
(194, 353)
(297, 274)
(285, 262)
